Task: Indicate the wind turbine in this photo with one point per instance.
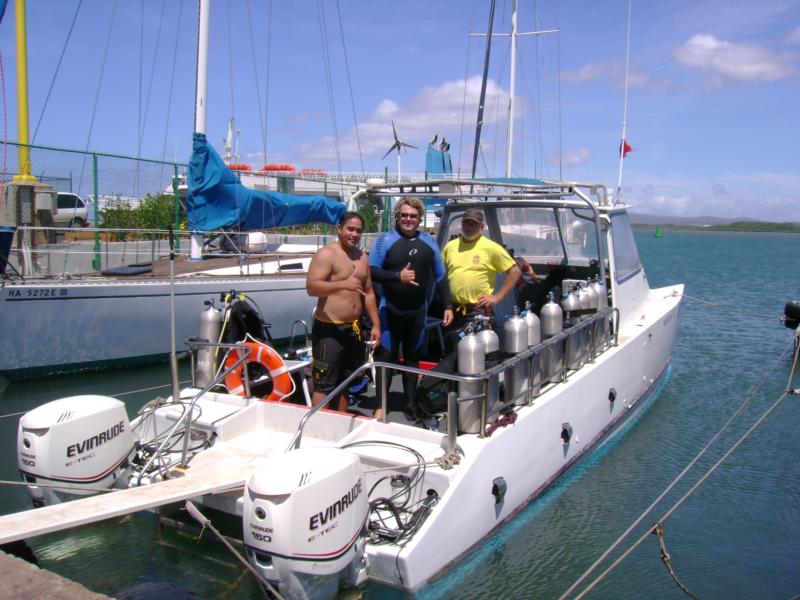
(398, 145)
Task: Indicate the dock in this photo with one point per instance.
(22, 579)
(224, 467)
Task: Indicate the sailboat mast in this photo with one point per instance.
(482, 99)
(201, 91)
(512, 86)
(22, 96)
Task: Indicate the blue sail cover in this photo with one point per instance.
(437, 164)
(217, 200)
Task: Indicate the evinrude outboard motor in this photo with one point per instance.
(210, 328)
(534, 338)
(551, 317)
(515, 333)
(80, 441)
(491, 346)
(304, 521)
(471, 361)
(570, 304)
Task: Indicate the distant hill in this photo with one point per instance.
(644, 219)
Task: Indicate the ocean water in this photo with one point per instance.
(736, 536)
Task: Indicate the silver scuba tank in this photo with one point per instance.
(210, 327)
(534, 338)
(589, 303)
(551, 317)
(471, 361)
(601, 327)
(570, 304)
(515, 331)
(491, 344)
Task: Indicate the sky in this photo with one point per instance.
(712, 112)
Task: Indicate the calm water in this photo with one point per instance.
(738, 536)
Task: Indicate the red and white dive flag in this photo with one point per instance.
(624, 148)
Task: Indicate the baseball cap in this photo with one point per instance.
(473, 214)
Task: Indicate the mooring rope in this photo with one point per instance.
(724, 307)
(665, 558)
(675, 481)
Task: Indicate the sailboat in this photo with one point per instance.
(58, 324)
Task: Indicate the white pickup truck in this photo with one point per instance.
(72, 210)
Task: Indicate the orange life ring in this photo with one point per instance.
(282, 384)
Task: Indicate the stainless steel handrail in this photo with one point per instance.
(186, 420)
(533, 352)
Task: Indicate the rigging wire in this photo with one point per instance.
(560, 127)
(255, 77)
(230, 73)
(350, 88)
(724, 307)
(482, 99)
(329, 79)
(266, 82)
(677, 479)
(55, 73)
(5, 119)
(171, 88)
(538, 119)
(97, 95)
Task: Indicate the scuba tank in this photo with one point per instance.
(551, 317)
(601, 327)
(491, 343)
(210, 327)
(588, 302)
(570, 304)
(534, 338)
(471, 361)
(515, 332)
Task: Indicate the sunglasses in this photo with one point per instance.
(408, 215)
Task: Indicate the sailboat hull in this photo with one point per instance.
(75, 325)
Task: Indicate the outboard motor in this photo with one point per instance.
(79, 441)
(471, 361)
(491, 346)
(534, 338)
(570, 304)
(210, 328)
(516, 337)
(551, 317)
(304, 522)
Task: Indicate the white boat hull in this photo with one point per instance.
(73, 325)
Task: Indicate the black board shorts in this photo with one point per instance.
(337, 350)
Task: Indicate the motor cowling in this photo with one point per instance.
(304, 521)
(83, 442)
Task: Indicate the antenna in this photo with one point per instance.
(623, 145)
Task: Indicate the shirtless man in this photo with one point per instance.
(339, 276)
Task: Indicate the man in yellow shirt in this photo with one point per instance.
(472, 262)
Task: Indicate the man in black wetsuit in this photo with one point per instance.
(406, 263)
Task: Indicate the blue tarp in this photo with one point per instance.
(437, 163)
(217, 200)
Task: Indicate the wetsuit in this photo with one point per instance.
(403, 307)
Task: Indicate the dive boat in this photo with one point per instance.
(329, 499)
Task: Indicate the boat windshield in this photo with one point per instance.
(544, 235)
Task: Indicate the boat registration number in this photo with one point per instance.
(38, 293)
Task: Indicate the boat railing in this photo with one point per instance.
(184, 423)
(63, 252)
(558, 349)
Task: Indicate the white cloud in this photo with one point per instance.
(614, 71)
(572, 157)
(726, 61)
(794, 36)
(432, 110)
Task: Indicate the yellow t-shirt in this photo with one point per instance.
(473, 266)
